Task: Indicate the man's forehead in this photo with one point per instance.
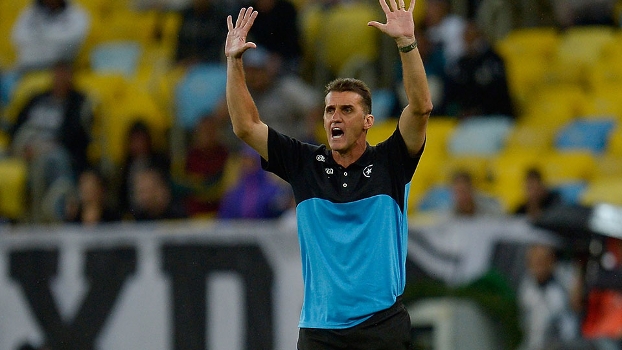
(338, 98)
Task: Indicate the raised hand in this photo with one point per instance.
(400, 24)
(236, 43)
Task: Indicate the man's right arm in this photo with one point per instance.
(242, 109)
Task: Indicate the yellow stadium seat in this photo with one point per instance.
(553, 106)
(119, 25)
(28, 85)
(428, 174)
(346, 40)
(612, 51)
(105, 8)
(507, 174)
(603, 190)
(168, 24)
(136, 105)
(527, 53)
(13, 178)
(103, 89)
(584, 44)
(579, 49)
(529, 43)
(9, 11)
(605, 100)
(433, 164)
(510, 194)
(524, 76)
(381, 131)
(475, 165)
(104, 92)
(562, 71)
(569, 166)
(310, 18)
(609, 165)
(614, 146)
(438, 132)
(530, 138)
(604, 73)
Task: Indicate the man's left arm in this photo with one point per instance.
(401, 27)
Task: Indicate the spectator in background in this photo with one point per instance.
(91, 206)
(49, 31)
(434, 63)
(206, 160)
(256, 194)
(477, 84)
(52, 133)
(468, 202)
(277, 31)
(497, 18)
(140, 154)
(598, 298)
(539, 197)
(544, 300)
(445, 29)
(585, 12)
(285, 102)
(153, 198)
(602, 290)
(202, 33)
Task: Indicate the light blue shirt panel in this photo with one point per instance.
(353, 259)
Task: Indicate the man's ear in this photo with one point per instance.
(369, 121)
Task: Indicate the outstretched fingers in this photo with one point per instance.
(236, 44)
(238, 21)
(229, 23)
(394, 5)
(249, 17)
(384, 6)
(389, 6)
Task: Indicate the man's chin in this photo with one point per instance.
(335, 145)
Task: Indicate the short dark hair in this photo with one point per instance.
(462, 175)
(534, 173)
(354, 85)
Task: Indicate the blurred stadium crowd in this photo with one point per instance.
(114, 109)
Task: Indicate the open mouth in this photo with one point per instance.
(336, 133)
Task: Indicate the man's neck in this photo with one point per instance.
(345, 159)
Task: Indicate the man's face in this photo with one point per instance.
(345, 120)
(535, 188)
(463, 195)
(541, 262)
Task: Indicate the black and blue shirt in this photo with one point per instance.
(352, 226)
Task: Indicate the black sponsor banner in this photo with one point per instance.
(141, 286)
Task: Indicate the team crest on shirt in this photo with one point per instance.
(367, 170)
(320, 158)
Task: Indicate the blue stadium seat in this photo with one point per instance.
(116, 57)
(483, 136)
(585, 134)
(571, 192)
(383, 102)
(437, 198)
(199, 92)
(8, 82)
